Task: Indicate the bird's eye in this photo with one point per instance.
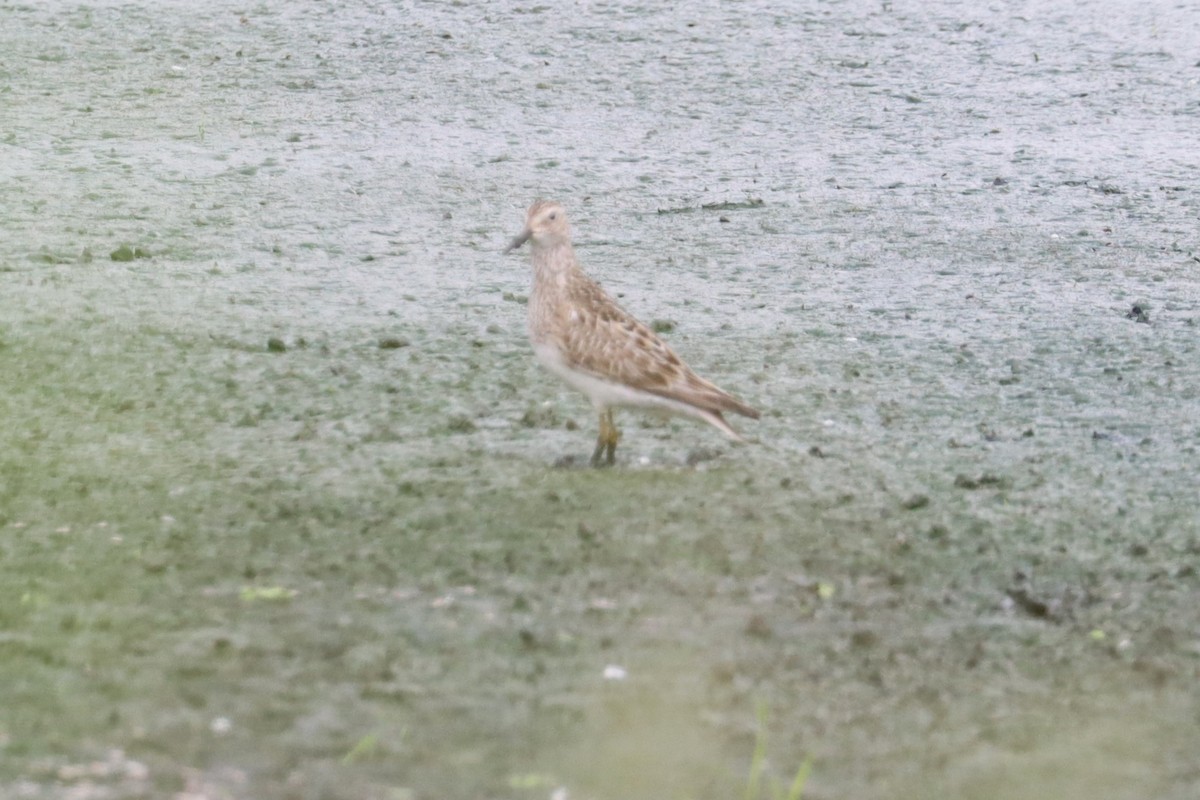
(554, 216)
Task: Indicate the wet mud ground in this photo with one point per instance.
(287, 510)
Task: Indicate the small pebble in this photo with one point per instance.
(615, 673)
(1139, 313)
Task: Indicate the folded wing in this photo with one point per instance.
(603, 339)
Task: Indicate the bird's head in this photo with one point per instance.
(545, 223)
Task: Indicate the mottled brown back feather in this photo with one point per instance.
(636, 356)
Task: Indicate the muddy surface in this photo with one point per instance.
(287, 509)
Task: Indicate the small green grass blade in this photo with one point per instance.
(759, 759)
(801, 778)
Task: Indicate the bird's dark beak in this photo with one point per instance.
(521, 239)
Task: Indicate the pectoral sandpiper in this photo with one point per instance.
(581, 335)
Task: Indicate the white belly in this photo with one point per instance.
(604, 393)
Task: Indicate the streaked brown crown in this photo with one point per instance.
(546, 219)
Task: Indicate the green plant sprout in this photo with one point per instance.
(758, 767)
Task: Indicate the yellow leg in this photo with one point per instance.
(606, 442)
(614, 436)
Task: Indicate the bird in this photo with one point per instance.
(582, 335)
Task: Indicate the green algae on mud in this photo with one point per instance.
(959, 560)
(460, 606)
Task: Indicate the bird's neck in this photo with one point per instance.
(553, 267)
(552, 260)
